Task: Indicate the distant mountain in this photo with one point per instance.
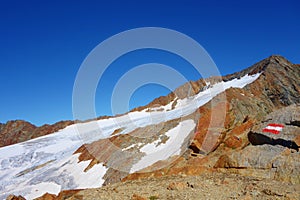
(202, 126)
(17, 131)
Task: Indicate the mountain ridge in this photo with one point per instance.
(211, 128)
(197, 86)
(25, 130)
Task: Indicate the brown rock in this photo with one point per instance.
(297, 140)
(177, 186)
(233, 142)
(13, 197)
(48, 196)
(137, 197)
(62, 195)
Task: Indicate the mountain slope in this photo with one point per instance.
(182, 133)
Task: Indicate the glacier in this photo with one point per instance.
(47, 163)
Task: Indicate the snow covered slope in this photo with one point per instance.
(47, 164)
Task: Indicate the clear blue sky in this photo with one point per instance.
(43, 44)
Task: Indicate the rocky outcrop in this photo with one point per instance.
(13, 197)
(187, 90)
(248, 105)
(280, 161)
(15, 131)
(62, 195)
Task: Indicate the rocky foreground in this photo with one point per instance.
(209, 185)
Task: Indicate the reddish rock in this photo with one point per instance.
(137, 197)
(233, 142)
(210, 127)
(62, 195)
(48, 196)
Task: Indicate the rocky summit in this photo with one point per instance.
(231, 137)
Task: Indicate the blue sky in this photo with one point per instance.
(43, 44)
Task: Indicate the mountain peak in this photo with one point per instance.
(273, 62)
(276, 57)
(279, 60)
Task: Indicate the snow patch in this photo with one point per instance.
(39, 190)
(89, 179)
(163, 151)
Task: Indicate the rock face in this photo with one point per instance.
(277, 87)
(19, 131)
(278, 160)
(15, 131)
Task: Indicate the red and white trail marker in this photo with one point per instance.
(273, 128)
